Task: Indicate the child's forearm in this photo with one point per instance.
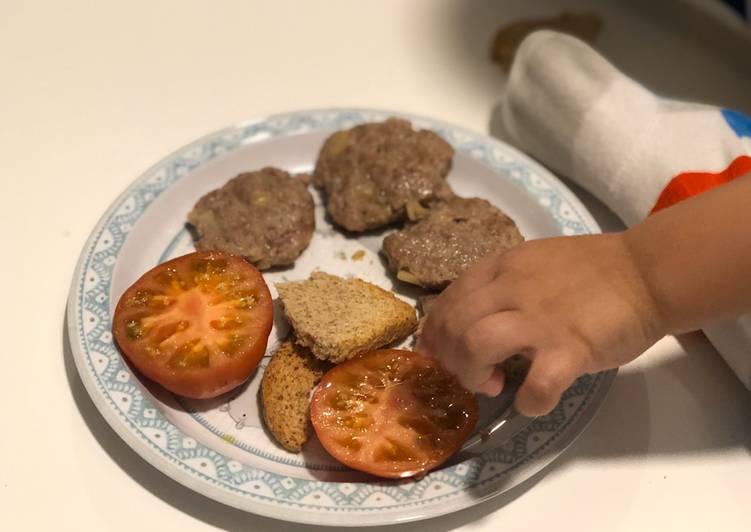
(588, 303)
(695, 257)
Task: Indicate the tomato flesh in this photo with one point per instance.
(198, 324)
(392, 413)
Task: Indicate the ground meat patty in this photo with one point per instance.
(453, 235)
(370, 172)
(265, 216)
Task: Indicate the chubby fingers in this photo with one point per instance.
(551, 373)
(452, 316)
(473, 353)
(477, 277)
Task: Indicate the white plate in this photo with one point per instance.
(219, 448)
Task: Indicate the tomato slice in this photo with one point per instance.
(392, 413)
(197, 325)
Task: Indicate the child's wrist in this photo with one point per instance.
(657, 319)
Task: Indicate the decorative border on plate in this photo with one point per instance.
(114, 384)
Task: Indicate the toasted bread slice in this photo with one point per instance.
(341, 318)
(285, 393)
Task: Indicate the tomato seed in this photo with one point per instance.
(209, 266)
(165, 332)
(432, 440)
(353, 443)
(244, 299)
(366, 397)
(340, 400)
(133, 329)
(349, 379)
(227, 323)
(421, 425)
(140, 299)
(232, 343)
(152, 351)
(392, 450)
(357, 422)
(170, 278)
(190, 355)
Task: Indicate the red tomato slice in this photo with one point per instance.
(197, 325)
(392, 413)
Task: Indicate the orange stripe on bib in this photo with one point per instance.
(689, 184)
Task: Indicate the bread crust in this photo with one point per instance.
(339, 318)
(287, 381)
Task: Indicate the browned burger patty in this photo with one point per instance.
(265, 216)
(369, 173)
(453, 235)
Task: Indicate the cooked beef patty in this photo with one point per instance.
(454, 235)
(265, 216)
(370, 172)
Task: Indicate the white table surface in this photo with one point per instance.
(92, 93)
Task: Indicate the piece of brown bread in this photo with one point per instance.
(340, 318)
(285, 393)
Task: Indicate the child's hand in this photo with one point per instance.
(572, 305)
